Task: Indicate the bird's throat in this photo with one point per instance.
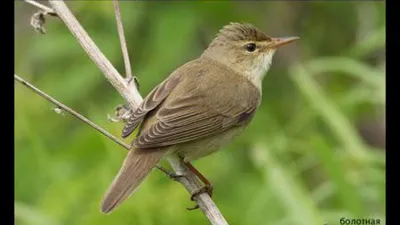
(261, 66)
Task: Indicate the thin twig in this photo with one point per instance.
(41, 6)
(133, 97)
(71, 111)
(120, 27)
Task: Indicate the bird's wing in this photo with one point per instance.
(152, 100)
(199, 112)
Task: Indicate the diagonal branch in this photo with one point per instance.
(130, 93)
(71, 111)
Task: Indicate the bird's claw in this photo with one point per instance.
(205, 189)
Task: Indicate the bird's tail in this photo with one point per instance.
(137, 165)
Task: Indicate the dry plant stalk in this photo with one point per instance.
(127, 90)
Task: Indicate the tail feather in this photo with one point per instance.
(137, 165)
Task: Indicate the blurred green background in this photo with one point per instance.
(314, 153)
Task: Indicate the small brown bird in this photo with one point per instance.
(200, 107)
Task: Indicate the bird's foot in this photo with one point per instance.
(208, 188)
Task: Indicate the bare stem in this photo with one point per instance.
(128, 70)
(71, 111)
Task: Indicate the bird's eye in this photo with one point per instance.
(251, 47)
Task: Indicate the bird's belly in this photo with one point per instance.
(196, 149)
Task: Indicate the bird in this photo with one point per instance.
(199, 108)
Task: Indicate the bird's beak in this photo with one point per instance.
(278, 42)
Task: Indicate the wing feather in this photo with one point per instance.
(152, 100)
(195, 122)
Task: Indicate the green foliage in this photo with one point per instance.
(302, 161)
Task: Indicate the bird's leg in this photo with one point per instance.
(170, 174)
(207, 188)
